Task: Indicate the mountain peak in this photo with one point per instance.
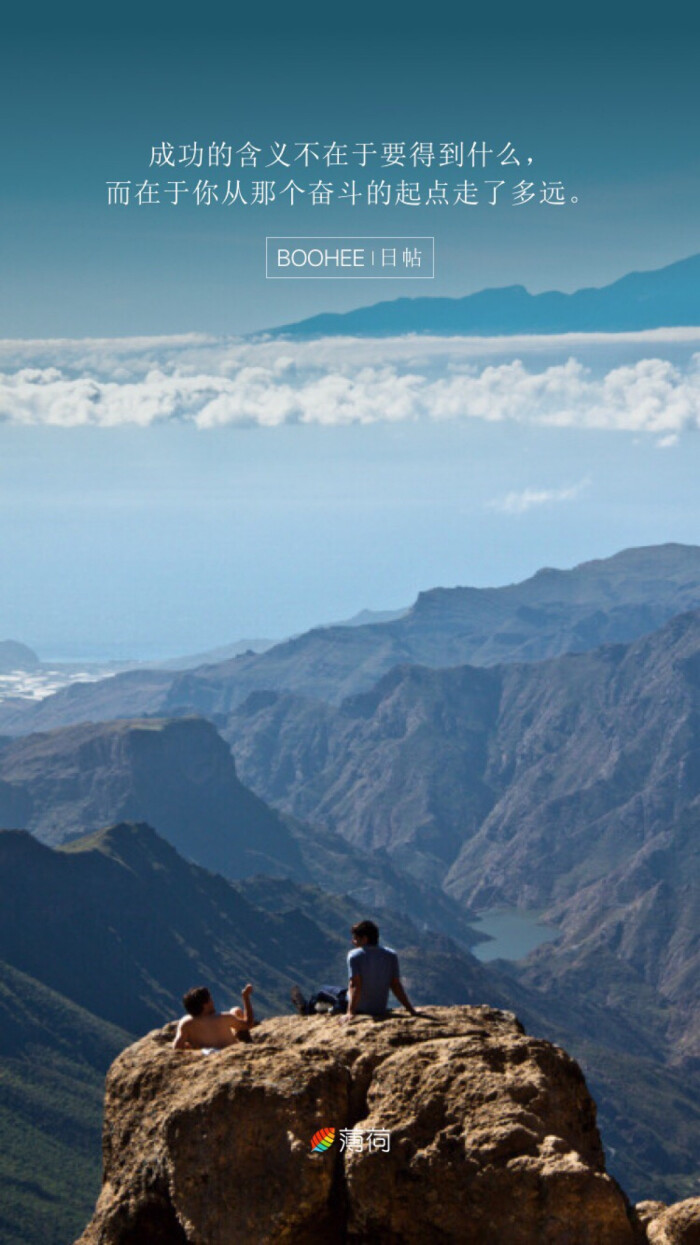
(119, 840)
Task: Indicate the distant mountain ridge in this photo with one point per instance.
(666, 297)
(607, 600)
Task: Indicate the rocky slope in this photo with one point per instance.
(53, 1056)
(506, 777)
(120, 924)
(178, 775)
(492, 1137)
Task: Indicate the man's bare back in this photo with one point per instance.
(209, 1028)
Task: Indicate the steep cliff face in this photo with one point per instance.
(177, 775)
(492, 1138)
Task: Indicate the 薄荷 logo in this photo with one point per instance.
(322, 1140)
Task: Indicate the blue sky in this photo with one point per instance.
(169, 495)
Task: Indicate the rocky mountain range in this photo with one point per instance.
(571, 784)
(535, 745)
(179, 776)
(612, 600)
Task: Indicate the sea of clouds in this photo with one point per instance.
(641, 383)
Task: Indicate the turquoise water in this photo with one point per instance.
(514, 933)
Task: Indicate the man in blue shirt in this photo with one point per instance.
(372, 972)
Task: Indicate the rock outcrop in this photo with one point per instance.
(671, 1225)
(492, 1139)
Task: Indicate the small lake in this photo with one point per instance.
(515, 934)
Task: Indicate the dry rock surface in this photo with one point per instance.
(493, 1140)
(671, 1225)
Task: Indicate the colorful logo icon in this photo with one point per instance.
(322, 1140)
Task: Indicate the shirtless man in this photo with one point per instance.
(206, 1029)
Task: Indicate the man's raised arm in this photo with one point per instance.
(180, 1042)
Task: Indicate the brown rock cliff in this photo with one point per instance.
(493, 1139)
(671, 1225)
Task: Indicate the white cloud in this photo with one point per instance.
(601, 381)
(520, 502)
